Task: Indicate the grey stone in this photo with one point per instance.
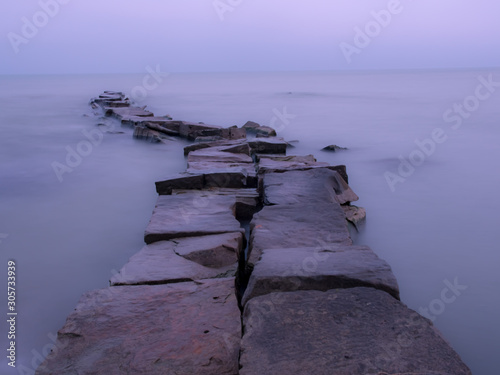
(297, 225)
(191, 213)
(184, 259)
(180, 181)
(216, 156)
(333, 148)
(122, 113)
(268, 146)
(146, 134)
(327, 266)
(358, 331)
(354, 214)
(302, 186)
(184, 329)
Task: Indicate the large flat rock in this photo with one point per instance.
(358, 331)
(268, 145)
(190, 214)
(184, 259)
(297, 225)
(324, 267)
(288, 163)
(314, 185)
(125, 113)
(183, 329)
(214, 155)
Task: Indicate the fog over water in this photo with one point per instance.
(437, 227)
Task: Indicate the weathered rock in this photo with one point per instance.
(214, 155)
(255, 128)
(327, 266)
(333, 148)
(162, 129)
(191, 130)
(184, 329)
(268, 146)
(251, 125)
(183, 259)
(354, 214)
(303, 186)
(212, 138)
(146, 134)
(228, 175)
(288, 163)
(191, 213)
(121, 113)
(297, 225)
(216, 251)
(221, 145)
(358, 331)
(180, 181)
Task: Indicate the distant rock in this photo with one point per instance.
(259, 130)
(190, 328)
(146, 134)
(357, 331)
(334, 148)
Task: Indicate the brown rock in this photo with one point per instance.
(358, 331)
(184, 329)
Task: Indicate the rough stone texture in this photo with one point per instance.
(146, 134)
(297, 225)
(184, 259)
(190, 214)
(183, 329)
(180, 181)
(327, 266)
(215, 156)
(255, 128)
(268, 146)
(314, 185)
(122, 113)
(293, 163)
(162, 129)
(354, 214)
(230, 175)
(191, 130)
(358, 331)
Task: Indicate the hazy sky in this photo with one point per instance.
(90, 36)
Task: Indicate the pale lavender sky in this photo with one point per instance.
(90, 36)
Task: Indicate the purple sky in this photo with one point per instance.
(89, 36)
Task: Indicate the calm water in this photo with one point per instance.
(437, 228)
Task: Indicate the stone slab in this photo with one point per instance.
(327, 266)
(313, 185)
(183, 329)
(298, 225)
(184, 259)
(190, 214)
(214, 155)
(358, 331)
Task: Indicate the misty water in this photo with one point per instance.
(436, 226)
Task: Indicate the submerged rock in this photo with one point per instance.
(355, 331)
(186, 329)
(333, 148)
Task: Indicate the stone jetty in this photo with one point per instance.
(248, 268)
